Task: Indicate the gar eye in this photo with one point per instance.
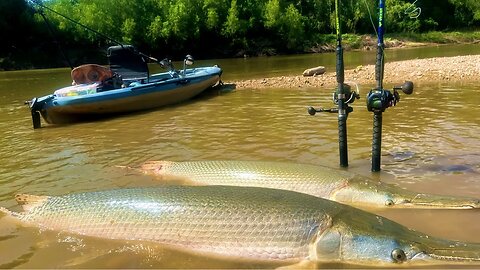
(389, 202)
(398, 255)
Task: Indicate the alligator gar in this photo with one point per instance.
(243, 223)
(323, 182)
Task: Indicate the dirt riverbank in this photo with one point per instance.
(449, 69)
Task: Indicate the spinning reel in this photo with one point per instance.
(348, 97)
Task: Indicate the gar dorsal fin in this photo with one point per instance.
(28, 202)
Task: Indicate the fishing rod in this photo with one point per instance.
(342, 96)
(379, 99)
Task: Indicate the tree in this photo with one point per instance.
(398, 19)
(272, 14)
(208, 27)
(215, 13)
(293, 27)
(233, 26)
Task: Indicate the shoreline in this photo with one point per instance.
(438, 69)
(351, 42)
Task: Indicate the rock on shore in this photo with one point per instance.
(450, 69)
(314, 71)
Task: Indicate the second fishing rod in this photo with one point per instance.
(379, 99)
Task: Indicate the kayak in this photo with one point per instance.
(124, 87)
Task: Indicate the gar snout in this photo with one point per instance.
(444, 202)
(450, 252)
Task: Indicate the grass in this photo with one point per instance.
(327, 42)
(439, 37)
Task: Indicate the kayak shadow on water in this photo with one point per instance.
(218, 89)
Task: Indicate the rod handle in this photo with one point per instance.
(379, 66)
(342, 140)
(377, 141)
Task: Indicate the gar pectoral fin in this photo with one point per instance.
(149, 167)
(152, 167)
(156, 167)
(161, 169)
(29, 202)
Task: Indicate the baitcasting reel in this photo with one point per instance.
(380, 99)
(349, 98)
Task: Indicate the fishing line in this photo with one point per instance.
(38, 2)
(52, 32)
(413, 11)
(376, 33)
(371, 19)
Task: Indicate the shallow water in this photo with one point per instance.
(430, 144)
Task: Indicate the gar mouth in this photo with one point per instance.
(447, 203)
(452, 253)
(443, 206)
(452, 258)
(436, 259)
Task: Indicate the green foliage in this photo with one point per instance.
(233, 25)
(353, 12)
(466, 11)
(272, 14)
(293, 27)
(352, 41)
(26, 41)
(128, 30)
(397, 18)
(287, 23)
(216, 27)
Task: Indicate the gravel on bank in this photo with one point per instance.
(448, 69)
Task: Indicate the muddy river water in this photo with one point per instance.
(431, 143)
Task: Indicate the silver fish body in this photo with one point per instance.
(324, 182)
(227, 221)
(243, 222)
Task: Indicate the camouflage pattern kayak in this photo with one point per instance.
(243, 223)
(328, 183)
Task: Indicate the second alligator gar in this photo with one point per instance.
(243, 223)
(318, 181)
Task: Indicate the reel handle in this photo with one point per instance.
(406, 87)
(313, 111)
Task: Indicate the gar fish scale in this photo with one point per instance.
(243, 222)
(179, 217)
(328, 183)
(287, 175)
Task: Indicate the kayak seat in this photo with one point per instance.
(90, 73)
(127, 62)
(111, 83)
